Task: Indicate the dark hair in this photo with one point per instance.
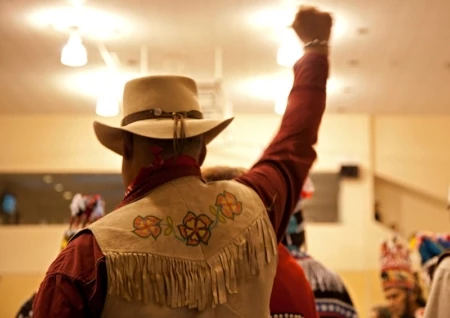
(219, 173)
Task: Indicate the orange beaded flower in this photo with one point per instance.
(195, 229)
(228, 205)
(147, 226)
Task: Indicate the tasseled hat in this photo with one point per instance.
(396, 267)
(85, 210)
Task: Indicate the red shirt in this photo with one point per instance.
(291, 292)
(76, 283)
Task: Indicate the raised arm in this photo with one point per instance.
(279, 174)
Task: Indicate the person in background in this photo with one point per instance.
(84, 210)
(377, 212)
(330, 292)
(430, 247)
(9, 213)
(175, 246)
(434, 253)
(438, 304)
(291, 295)
(398, 281)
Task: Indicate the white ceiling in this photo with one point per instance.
(401, 62)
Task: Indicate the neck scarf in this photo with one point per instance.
(159, 172)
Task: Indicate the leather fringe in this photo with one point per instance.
(198, 285)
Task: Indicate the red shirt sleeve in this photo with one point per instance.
(279, 174)
(75, 284)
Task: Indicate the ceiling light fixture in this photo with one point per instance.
(74, 53)
(92, 23)
(333, 86)
(280, 105)
(107, 106)
(290, 49)
(94, 83)
(77, 2)
(268, 87)
(288, 55)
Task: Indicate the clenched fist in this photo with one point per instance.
(311, 24)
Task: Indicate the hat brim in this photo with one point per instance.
(112, 137)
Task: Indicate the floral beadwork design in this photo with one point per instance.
(195, 228)
(147, 226)
(229, 205)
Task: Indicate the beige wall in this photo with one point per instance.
(45, 143)
(15, 290)
(414, 151)
(410, 210)
(409, 150)
(25, 254)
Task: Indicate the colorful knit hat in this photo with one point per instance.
(430, 247)
(444, 241)
(396, 267)
(85, 210)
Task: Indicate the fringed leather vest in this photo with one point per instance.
(189, 249)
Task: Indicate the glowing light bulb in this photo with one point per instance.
(290, 48)
(280, 105)
(288, 55)
(74, 53)
(107, 106)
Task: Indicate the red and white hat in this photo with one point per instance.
(396, 265)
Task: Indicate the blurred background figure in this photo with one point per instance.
(9, 212)
(84, 210)
(331, 294)
(400, 286)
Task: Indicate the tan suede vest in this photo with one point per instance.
(189, 249)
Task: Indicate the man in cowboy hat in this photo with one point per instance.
(84, 210)
(177, 246)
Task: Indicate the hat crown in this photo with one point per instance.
(168, 93)
(395, 255)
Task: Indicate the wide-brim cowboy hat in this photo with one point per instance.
(152, 107)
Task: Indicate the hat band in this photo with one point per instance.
(156, 113)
